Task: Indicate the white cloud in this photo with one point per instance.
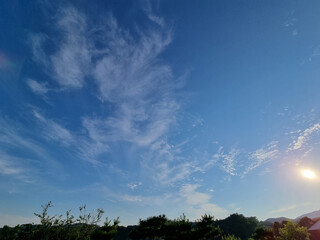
(193, 197)
(212, 209)
(228, 160)
(37, 41)
(54, 131)
(36, 87)
(165, 165)
(126, 68)
(261, 156)
(11, 137)
(17, 168)
(140, 86)
(238, 162)
(167, 173)
(295, 32)
(149, 12)
(283, 210)
(304, 137)
(133, 186)
(199, 203)
(87, 145)
(129, 75)
(15, 136)
(7, 166)
(193, 202)
(71, 62)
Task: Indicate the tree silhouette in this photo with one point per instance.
(305, 222)
(239, 225)
(205, 228)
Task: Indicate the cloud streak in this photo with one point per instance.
(261, 156)
(304, 137)
(36, 87)
(54, 131)
(238, 162)
(228, 160)
(283, 210)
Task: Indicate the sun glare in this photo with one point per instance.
(308, 174)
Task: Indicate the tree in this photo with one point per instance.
(57, 227)
(263, 233)
(152, 228)
(179, 228)
(291, 231)
(205, 228)
(238, 225)
(26, 232)
(305, 222)
(9, 233)
(87, 222)
(276, 227)
(107, 231)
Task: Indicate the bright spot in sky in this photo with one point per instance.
(308, 174)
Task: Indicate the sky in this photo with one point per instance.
(159, 107)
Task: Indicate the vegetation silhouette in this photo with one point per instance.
(85, 227)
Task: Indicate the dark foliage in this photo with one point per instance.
(238, 225)
(263, 233)
(235, 227)
(306, 222)
(159, 227)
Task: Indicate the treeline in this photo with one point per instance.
(85, 227)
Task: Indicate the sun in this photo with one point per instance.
(308, 174)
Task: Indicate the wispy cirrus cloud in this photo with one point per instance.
(14, 136)
(7, 166)
(284, 209)
(37, 87)
(303, 137)
(147, 7)
(53, 131)
(261, 156)
(228, 160)
(71, 62)
(37, 42)
(132, 77)
(126, 68)
(165, 164)
(129, 75)
(238, 162)
(168, 174)
(85, 145)
(16, 167)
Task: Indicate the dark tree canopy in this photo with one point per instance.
(239, 225)
(306, 222)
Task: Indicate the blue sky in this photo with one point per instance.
(159, 107)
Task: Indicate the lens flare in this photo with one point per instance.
(308, 174)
